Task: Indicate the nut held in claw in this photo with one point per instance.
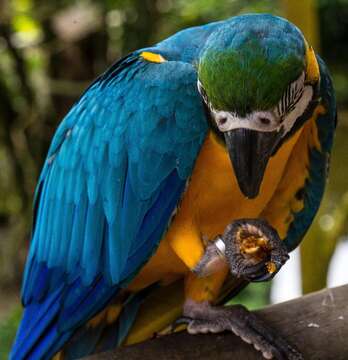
(251, 248)
(254, 250)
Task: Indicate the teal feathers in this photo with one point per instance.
(114, 173)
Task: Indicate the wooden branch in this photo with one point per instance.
(316, 323)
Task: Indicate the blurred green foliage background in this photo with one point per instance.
(51, 50)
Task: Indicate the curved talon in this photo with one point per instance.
(267, 275)
(183, 320)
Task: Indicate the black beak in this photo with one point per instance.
(249, 152)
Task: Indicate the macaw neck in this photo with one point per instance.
(214, 192)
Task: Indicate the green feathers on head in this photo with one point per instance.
(248, 64)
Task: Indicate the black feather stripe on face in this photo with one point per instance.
(290, 98)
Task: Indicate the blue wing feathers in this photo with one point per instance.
(145, 247)
(91, 254)
(166, 201)
(114, 173)
(37, 319)
(77, 235)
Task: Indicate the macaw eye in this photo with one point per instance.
(264, 121)
(222, 120)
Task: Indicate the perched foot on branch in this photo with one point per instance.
(251, 247)
(204, 318)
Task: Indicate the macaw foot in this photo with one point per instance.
(202, 318)
(252, 249)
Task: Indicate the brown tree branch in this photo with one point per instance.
(317, 324)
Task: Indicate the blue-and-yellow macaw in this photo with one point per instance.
(230, 120)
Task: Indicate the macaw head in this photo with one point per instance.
(260, 82)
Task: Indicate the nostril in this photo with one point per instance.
(264, 121)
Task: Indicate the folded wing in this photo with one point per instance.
(114, 174)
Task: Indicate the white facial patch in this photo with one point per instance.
(257, 120)
(291, 106)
